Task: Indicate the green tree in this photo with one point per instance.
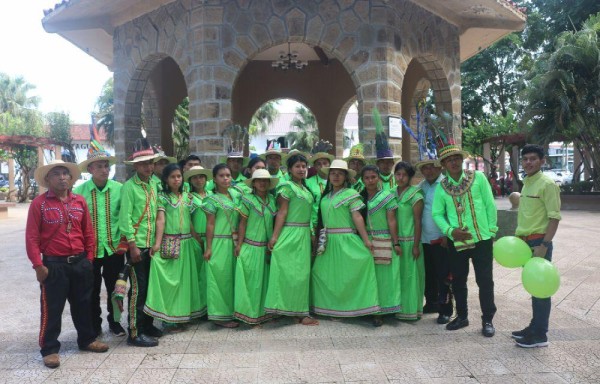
(264, 116)
(105, 111)
(19, 116)
(307, 132)
(563, 97)
(181, 129)
(59, 124)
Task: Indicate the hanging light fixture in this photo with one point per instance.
(289, 60)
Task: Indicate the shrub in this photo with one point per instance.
(577, 188)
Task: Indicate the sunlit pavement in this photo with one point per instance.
(340, 351)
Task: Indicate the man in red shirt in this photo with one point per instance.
(60, 243)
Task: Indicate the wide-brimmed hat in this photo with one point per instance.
(197, 170)
(161, 155)
(142, 151)
(339, 164)
(451, 150)
(357, 153)
(272, 152)
(262, 174)
(434, 162)
(40, 173)
(320, 155)
(96, 152)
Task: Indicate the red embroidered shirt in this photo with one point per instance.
(55, 228)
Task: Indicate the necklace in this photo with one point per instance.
(460, 189)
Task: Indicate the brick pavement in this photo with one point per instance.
(341, 351)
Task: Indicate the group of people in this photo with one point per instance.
(247, 242)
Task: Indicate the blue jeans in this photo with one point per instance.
(540, 307)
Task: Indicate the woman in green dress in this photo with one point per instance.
(197, 177)
(412, 266)
(222, 215)
(290, 245)
(382, 228)
(173, 294)
(343, 276)
(257, 212)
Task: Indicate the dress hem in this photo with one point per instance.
(350, 313)
(174, 319)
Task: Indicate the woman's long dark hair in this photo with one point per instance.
(410, 170)
(251, 164)
(298, 158)
(328, 188)
(215, 171)
(364, 194)
(165, 177)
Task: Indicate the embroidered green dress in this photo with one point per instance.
(388, 275)
(343, 278)
(252, 270)
(412, 272)
(173, 291)
(289, 276)
(220, 269)
(199, 223)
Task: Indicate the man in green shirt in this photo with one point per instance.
(137, 220)
(464, 211)
(356, 161)
(103, 197)
(537, 222)
(273, 159)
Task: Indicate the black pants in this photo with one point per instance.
(138, 290)
(482, 264)
(106, 268)
(71, 282)
(437, 269)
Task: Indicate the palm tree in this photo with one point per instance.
(307, 132)
(264, 116)
(564, 94)
(13, 95)
(105, 111)
(181, 129)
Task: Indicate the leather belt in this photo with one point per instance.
(533, 236)
(70, 259)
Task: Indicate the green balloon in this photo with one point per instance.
(540, 278)
(511, 252)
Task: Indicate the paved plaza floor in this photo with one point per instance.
(334, 351)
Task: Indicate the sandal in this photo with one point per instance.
(307, 320)
(377, 321)
(227, 324)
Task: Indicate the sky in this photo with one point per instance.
(66, 78)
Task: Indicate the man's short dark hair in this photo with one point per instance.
(192, 157)
(533, 148)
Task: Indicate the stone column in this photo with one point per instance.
(12, 191)
(502, 163)
(515, 167)
(486, 156)
(40, 153)
(57, 152)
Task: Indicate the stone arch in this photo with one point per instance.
(425, 73)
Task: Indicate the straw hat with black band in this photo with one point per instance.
(41, 172)
(262, 174)
(197, 170)
(339, 164)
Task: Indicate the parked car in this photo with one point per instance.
(558, 179)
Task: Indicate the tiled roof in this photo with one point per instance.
(81, 132)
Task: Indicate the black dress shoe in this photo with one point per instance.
(488, 329)
(443, 319)
(457, 323)
(153, 331)
(142, 341)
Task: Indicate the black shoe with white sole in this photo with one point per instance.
(519, 335)
(533, 341)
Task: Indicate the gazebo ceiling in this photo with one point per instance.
(89, 24)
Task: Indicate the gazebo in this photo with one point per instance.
(384, 54)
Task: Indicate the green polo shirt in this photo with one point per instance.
(540, 202)
(156, 181)
(104, 208)
(135, 196)
(388, 183)
(470, 204)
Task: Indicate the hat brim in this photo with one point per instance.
(286, 156)
(464, 155)
(40, 173)
(434, 162)
(351, 172)
(363, 159)
(320, 155)
(140, 159)
(274, 181)
(112, 160)
(170, 159)
(205, 172)
(268, 153)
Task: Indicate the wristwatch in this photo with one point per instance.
(546, 243)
